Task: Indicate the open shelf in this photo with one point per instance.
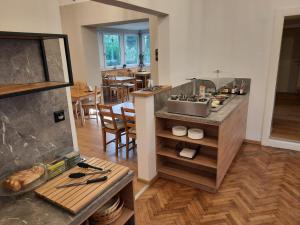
(189, 177)
(206, 141)
(124, 218)
(200, 159)
(20, 89)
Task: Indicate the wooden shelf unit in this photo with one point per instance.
(20, 89)
(200, 159)
(126, 215)
(189, 177)
(217, 149)
(206, 141)
(11, 90)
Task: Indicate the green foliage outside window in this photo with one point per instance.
(131, 49)
(146, 48)
(112, 49)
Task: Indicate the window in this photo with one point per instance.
(146, 48)
(112, 50)
(131, 49)
(119, 48)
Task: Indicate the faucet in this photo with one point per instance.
(193, 80)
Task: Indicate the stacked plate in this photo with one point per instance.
(193, 133)
(179, 131)
(108, 213)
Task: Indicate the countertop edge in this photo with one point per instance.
(141, 93)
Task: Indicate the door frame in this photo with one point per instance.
(267, 140)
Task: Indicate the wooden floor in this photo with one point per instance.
(286, 118)
(262, 187)
(90, 145)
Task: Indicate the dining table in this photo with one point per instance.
(117, 109)
(120, 79)
(81, 95)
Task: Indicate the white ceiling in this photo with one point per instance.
(131, 26)
(68, 2)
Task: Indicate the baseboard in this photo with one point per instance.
(148, 182)
(252, 142)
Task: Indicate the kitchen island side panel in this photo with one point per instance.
(232, 133)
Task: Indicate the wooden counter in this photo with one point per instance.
(142, 93)
(29, 208)
(221, 142)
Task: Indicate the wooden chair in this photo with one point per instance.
(92, 104)
(132, 86)
(81, 85)
(128, 116)
(75, 106)
(110, 124)
(118, 88)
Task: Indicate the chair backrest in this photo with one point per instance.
(128, 116)
(98, 94)
(107, 115)
(111, 79)
(81, 85)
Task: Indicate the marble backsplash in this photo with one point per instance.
(28, 133)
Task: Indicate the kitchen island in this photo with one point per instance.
(224, 133)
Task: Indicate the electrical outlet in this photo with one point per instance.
(59, 116)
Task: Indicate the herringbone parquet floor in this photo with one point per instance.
(262, 187)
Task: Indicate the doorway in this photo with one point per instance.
(286, 113)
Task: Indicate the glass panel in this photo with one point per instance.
(131, 49)
(112, 49)
(146, 48)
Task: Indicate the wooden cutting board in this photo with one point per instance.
(73, 199)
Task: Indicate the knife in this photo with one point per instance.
(79, 175)
(96, 180)
(86, 165)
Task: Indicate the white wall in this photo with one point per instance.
(78, 21)
(237, 37)
(37, 16)
(233, 35)
(178, 51)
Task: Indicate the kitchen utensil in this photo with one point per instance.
(80, 196)
(195, 133)
(96, 180)
(179, 130)
(79, 175)
(86, 165)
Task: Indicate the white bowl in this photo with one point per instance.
(195, 133)
(179, 130)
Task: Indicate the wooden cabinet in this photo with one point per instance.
(217, 149)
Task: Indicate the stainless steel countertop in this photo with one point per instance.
(214, 118)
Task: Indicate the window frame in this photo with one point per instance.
(125, 34)
(104, 49)
(143, 47)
